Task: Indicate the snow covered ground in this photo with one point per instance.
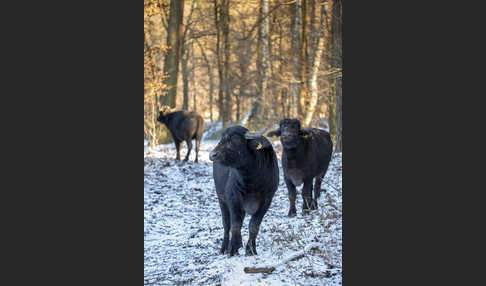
(183, 228)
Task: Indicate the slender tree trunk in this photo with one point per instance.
(151, 68)
(337, 26)
(238, 106)
(211, 87)
(294, 85)
(303, 63)
(185, 80)
(171, 64)
(227, 85)
(186, 51)
(155, 106)
(211, 80)
(219, 56)
(283, 90)
(313, 38)
(211, 92)
(153, 140)
(223, 54)
(270, 76)
(258, 102)
(193, 70)
(315, 69)
(332, 115)
(265, 56)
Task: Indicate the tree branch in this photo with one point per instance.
(295, 256)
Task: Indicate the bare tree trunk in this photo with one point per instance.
(312, 45)
(185, 53)
(238, 106)
(338, 63)
(303, 63)
(152, 130)
(281, 89)
(258, 101)
(153, 139)
(294, 93)
(265, 56)
(339, 119)
(211, 80)
(171, 65)
(194, 94)
(219, 56)
(313, 39)
(315, 69)
(329, 94)
(223, 54)
(185, 79)
(227, 104)
(211, 92)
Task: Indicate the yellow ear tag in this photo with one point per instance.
(305, 137)
(259, 146)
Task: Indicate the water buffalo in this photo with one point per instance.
(183, 126)
(245, 173)
(306, 155)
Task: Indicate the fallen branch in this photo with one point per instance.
(295, 256)
(259, 269)
(329, 185)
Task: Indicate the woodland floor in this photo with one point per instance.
(183, 229)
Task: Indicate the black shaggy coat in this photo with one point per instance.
(306, 155)
(184, 126)
(246, 176)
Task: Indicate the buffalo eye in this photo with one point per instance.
(236, 140)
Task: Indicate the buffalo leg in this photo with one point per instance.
(189, 147)
(318, 183)
(307, 201)
(226, 225)
(254, 227)
(317, 188)
(178, 149)
(198, 142)
(292, 197)
(236, 217)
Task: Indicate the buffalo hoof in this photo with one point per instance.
(224, 249)
(250, 251)
(314, 205)
(185, 159)
(233, 252)
(292, 213)
(233, 247)
(307, 204)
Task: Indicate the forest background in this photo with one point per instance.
(250, 63)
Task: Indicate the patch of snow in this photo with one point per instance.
(183, 228)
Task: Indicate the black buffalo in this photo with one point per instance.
(306, 155)
(245, 173)
(183, 126)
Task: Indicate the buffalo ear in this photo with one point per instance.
(259, 143)
(275, 132)
(164, 109)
